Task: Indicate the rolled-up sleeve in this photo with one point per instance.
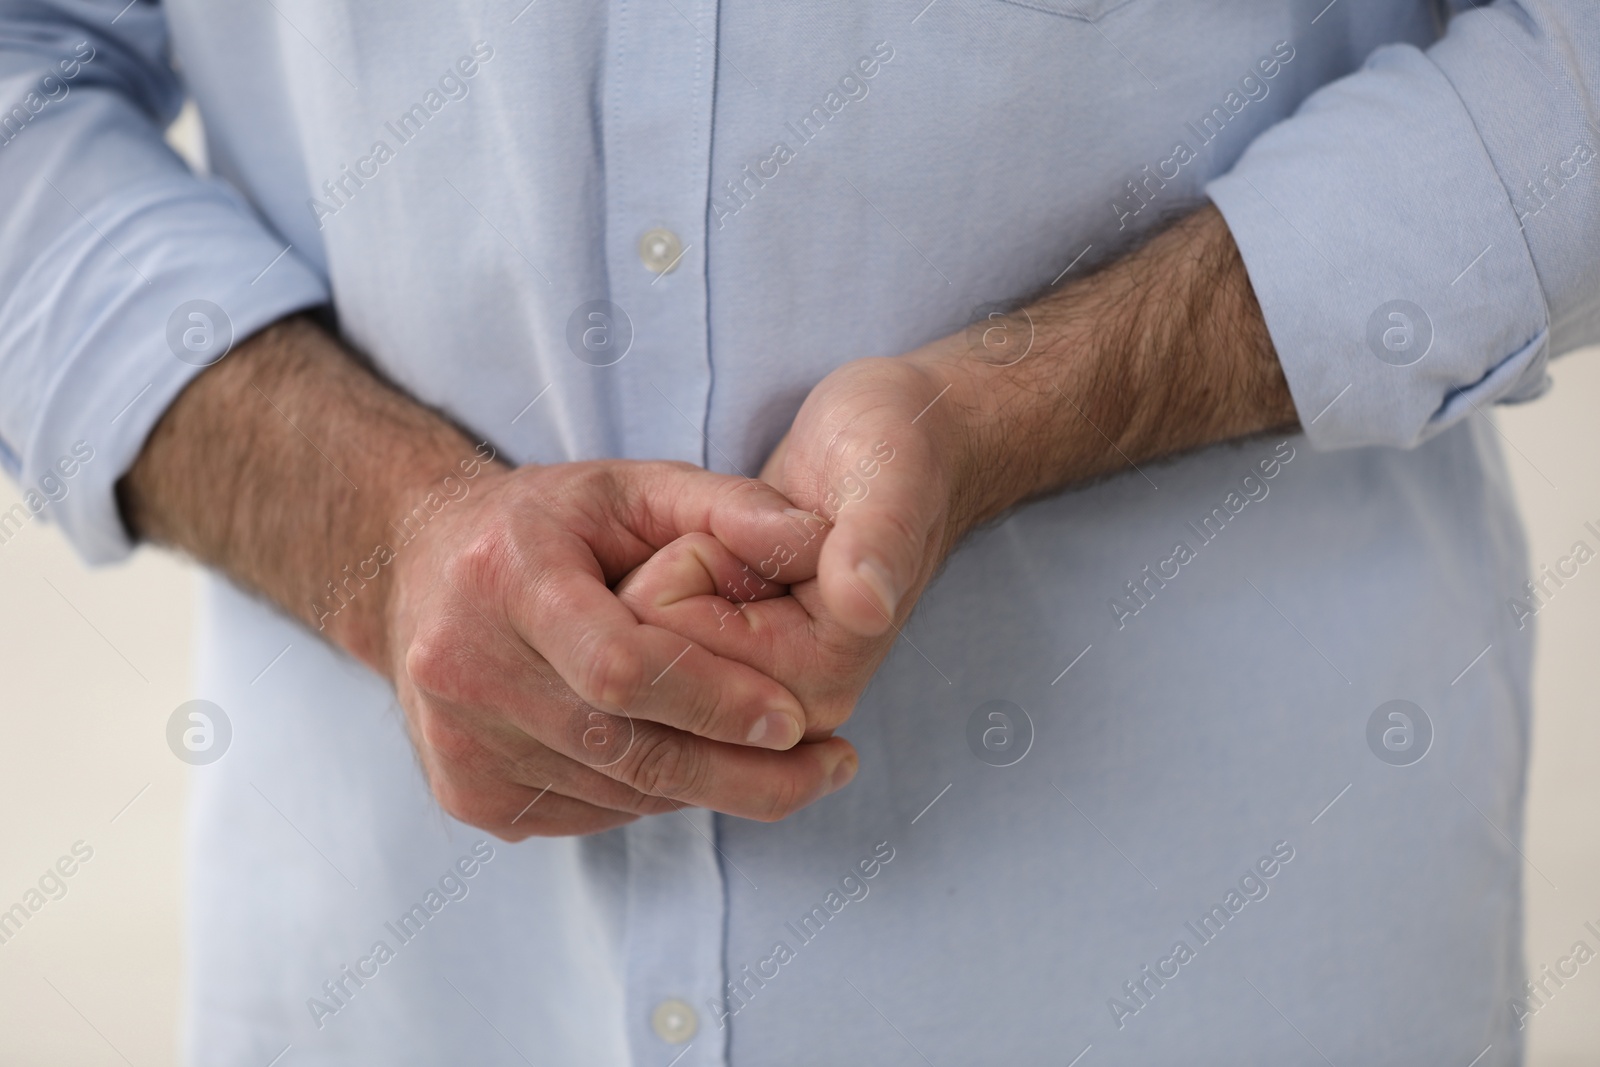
(1424, 233)
(123, 272)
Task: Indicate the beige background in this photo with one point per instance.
(92, 664)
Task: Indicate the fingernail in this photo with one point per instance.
(796, 513)
(843, 773)
(775, 730)
(875, 576)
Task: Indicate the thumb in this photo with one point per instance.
(884, 537)
(772, 469)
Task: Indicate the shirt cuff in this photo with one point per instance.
(155, 285)
(1388, 258)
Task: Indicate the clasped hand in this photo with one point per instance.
(581, 644)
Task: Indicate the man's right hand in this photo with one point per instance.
(537, 702)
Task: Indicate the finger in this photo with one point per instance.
(566, 817)
(659, 761)
(475, 782)
(882, 541)
(734, 779)
(617, 664)
(649, 759)
(488, 745)
(684, 588)
(772, 469)
(514, 812)
(793, 639)
(696, 564)
(757, 523)
(470, 682)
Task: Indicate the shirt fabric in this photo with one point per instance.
(1214, 848)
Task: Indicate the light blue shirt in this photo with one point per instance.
(1196, 832)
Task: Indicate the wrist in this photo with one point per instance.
(363, 609)
(1160, 352)
(1016, 412)
(967, 422)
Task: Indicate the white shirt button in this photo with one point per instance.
(674, 1021)
(660, 250)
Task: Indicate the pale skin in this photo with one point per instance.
(611, 639)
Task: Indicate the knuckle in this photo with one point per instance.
(483, 562)
(436, 663)
(663, 766)
(654, 584)
(613, 675)
(492, 540)
(699, 710)
(783, 799)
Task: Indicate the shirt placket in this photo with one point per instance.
(674, 948)
(660, 72)
(659, 75)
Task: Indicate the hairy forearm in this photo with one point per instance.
(284, 466)
(1161, 352)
